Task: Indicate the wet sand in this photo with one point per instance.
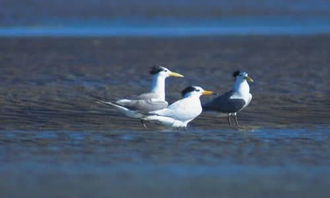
(55, 141)
(46, 83)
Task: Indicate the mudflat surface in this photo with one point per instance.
(55, 141)
(39, 12)
(47, 83)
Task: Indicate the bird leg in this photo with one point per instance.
(229, 119)
(236, 121)
(144, 124)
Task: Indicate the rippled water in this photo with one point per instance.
(54, 136)
(288, 163)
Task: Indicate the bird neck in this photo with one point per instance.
(158, 86)
(241, 86)
(192, 97)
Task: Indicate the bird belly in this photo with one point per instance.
(165, 121)
(188, 114)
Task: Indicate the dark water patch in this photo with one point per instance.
(262, 147)
(290, 163)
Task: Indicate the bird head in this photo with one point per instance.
(164, 72)
(242, 76)
(195, 91)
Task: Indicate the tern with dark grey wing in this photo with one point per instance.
(154, 100)
(181, 112)
(234, 100)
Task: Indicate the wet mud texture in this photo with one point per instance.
(14, 12)
(48, 83)
(55, 141)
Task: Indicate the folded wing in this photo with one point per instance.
(144, 103)
(225, 103)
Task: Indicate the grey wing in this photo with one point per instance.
(143, 105)
(224, 104)
(147, 96)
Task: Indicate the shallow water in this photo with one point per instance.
(170, 27)
(249, 163)
(54, 136)
(157, 18)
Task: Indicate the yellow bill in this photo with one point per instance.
(248, 78)
(206, 92)
(174, 74)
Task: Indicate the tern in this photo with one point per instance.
(154, 100)
(181, 112)
(234, 100)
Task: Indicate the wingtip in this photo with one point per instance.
(99, 100)
(104, 102)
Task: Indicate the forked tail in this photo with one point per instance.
(124, 110)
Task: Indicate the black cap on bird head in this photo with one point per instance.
(236, 73)
(188, 90)
(156, 69)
